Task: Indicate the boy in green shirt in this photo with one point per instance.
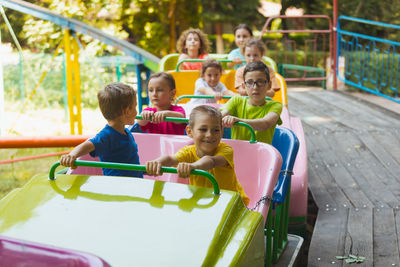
(255, 110)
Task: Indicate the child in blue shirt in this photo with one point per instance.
(114, 143)
(242, 34)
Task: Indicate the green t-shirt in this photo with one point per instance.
(238, 106)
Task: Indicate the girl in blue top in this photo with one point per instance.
(242, 34)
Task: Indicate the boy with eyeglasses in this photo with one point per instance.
(261, 114)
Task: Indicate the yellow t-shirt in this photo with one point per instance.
(225, 175)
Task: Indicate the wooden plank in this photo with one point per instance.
(319, 192)
(338, 116)
(382, 155)
(356, 157)
(372, 114)
(309, 114)
(390, 140)
(327, 181)
(359, 238)
(386, 248)
(332, 156)
(397, 221)
(328, 237)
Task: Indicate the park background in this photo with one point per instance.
(151, 25)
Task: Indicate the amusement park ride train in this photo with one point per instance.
(81, 218)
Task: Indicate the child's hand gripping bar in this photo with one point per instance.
(199, 60)
(133, 167)
(184, 120)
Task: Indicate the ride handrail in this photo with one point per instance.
(179, 98)
(134, 167)
(198, 60)
(238, 123)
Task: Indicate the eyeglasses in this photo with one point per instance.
(259, 83)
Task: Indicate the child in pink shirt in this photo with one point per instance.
(161, 88)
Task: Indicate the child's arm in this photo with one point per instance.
(228, 93)
(182, 57)
(205, 163)
(235, 61)
(82, 149)
(153, 167)
(262, 124)
(210, 91)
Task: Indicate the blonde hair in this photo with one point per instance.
(204, 109)
(204, 42)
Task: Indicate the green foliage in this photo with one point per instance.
(376, 10)
(94, 73)
(13, 175)
(368, 70)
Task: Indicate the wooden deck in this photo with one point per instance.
(354, 177)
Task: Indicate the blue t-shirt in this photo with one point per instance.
(236, 53)
(112, 146)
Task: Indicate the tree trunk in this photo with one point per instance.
(172, 29)
(219, 40)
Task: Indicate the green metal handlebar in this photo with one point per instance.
(170, 119)
(198, 60)
(184, 120)
(179, 98)
(134, 167)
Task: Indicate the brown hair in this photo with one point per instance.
(114, 98)
(204, 42)
(257, 43)
(257, 66)
(166, 76)
(204, 109)
(210, 63)
(243, 26)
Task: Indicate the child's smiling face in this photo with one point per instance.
(212, 76)
(206, 134)
(241, 37)
(252, 54)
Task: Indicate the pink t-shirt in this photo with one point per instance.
(166, 127)
(194, 65)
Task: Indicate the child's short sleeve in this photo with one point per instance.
(186, 154)
(226, 151)
(101, 144)
(232, 105)
(199, 83)
(222, 87)
(179, 109)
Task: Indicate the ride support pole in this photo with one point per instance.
(73, 83)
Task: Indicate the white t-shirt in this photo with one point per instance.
(220, 88)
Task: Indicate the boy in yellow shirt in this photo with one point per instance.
(207, 153)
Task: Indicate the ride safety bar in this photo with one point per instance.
(199, 60)
(179, 98)
(133, 167)
(184, 120)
